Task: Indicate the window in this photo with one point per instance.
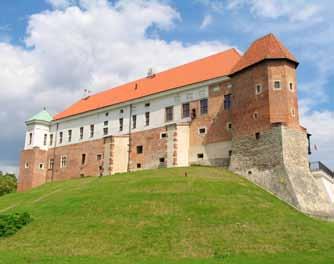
(202, 130)
(204, 106)
(26, 165)
(81, 132)
(138, 165)
(163, 135)
(92, 127)
(121, 124)
(105, 123)
(162, 163)
(63, 162)
(139, 149)
(291, 88)
(51, 139)
(30, 138)
(257, 135)
(230, 153)
(169, 113)
(51, 164)
(69, 135)
(229, 126)
(193, 113)
(227, 101)
(134, 121)
(255, 115)
(60, 137)
(185, 110)
(121, 111)
(277, 85)
(147, 105)
(162, 160)
(41, 166)
(258, 89)
(45, 139)
(99, 157)
(107, 114)
(105, 131)
(83, 159)
(200, 155)
(147, 118)
(293, 112)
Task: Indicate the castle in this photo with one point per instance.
(232, 110)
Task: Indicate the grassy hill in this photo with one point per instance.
(160, 216)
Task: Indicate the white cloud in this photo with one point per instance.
(207, 20)
(84, 44)
(295, 11)
(321, 125)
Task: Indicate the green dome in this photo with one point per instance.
(41, 116)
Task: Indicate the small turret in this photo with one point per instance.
(38, 130)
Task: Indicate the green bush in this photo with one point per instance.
(10, 224)
(8, 183)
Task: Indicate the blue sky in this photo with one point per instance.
(52, 50)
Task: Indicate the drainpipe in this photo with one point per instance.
(129, 150)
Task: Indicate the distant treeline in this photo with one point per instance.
(8, 183)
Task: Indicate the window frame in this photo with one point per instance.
(69, 134)
(134, 121)
(204, 109)
(45, 140)
(91, 130)
(274, 85)
(202, 133)
(256, 90)
(63, 158)
(139, 149)
(169, 114)
(227, 102)
(61, 134)
(121, 124)
(186, 114)
(147, 118)
(81, 135)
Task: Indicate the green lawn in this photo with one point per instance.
(160, 216)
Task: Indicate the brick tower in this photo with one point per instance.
(268, 144)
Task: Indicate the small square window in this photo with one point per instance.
(162, 160)
(121, 111)
(257, 135)
(105, 123)
(202, 130)
(105, 131)
(229, 126)
(163, 135)
(139, 149)
(99, 157)
(41, 166)
(277, 85)
(230, 153)
(107, 114)
(138, 165)
(200, 155)
(147, 105)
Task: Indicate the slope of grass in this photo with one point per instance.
(160, 216)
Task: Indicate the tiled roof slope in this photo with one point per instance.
(211, 67)
(267, 47)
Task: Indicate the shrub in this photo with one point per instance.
(10, 224)
(8, 183)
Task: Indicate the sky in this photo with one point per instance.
(52, 50)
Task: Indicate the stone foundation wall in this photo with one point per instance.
(278, 162)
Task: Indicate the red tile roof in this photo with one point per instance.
(211, 67)
(267, 47)
(221, 64)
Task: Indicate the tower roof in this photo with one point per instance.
(41, 116)
(267, 47)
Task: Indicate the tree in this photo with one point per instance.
(8, 183)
